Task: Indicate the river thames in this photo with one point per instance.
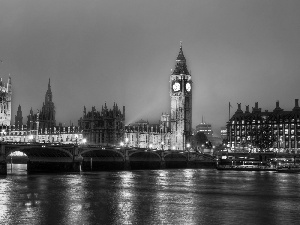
(182, 196)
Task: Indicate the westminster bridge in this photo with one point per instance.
(50, 157)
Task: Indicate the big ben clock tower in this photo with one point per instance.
(181, 104)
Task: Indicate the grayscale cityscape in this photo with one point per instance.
(149, 112)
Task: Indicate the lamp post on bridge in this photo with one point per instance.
(126, 141)
(162, 146)
(188, 145)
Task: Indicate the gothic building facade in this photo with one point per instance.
(105, 127)
(174, 130)
(43, 119)
(40, 126)
(181, 103)
(142, 134)
(5, 102)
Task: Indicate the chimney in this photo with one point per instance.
(277, 109)
(256, 109)
(296, 108)
(239, 110)
(247, 108)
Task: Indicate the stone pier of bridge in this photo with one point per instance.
(3, 164)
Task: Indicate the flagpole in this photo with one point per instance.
(229, 111)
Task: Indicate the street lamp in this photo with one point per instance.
(30, 137)
(188, 145)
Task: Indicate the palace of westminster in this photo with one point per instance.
(106, 127)
(172, 132)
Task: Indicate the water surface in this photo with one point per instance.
(184, 196)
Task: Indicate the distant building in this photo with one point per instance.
(284, 127)
(5, 102)
(204, 128)
(223, 133)
(105, 127)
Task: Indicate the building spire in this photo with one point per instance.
(180, 67)
(49, 86)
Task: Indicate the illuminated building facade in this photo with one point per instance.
(105, 127)
(283, 126)
(5, 102)
(57, 134)
(181, 104)
(144, 135)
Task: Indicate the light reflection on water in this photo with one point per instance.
(150, 197)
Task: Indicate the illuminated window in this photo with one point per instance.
(286, 144)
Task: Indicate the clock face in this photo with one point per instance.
(188, 87)
(176, 86)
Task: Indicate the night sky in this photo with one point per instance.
(239, 51)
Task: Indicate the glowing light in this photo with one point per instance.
(83, 140)
(122, 144)
(188, 145)
(126, 140)
(150, 146)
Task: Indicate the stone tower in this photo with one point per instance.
(5, 103)
(47, 114)
(181, 104)
(19, 119)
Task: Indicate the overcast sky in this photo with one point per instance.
(239, 51)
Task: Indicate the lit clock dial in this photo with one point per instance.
(188, 87)
(176, 86)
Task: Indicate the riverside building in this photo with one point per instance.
(283, 127)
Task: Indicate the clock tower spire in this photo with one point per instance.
(181, 103)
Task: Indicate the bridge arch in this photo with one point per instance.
(145, 160)
(41, 152)
(175, 160)
(98, 159)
